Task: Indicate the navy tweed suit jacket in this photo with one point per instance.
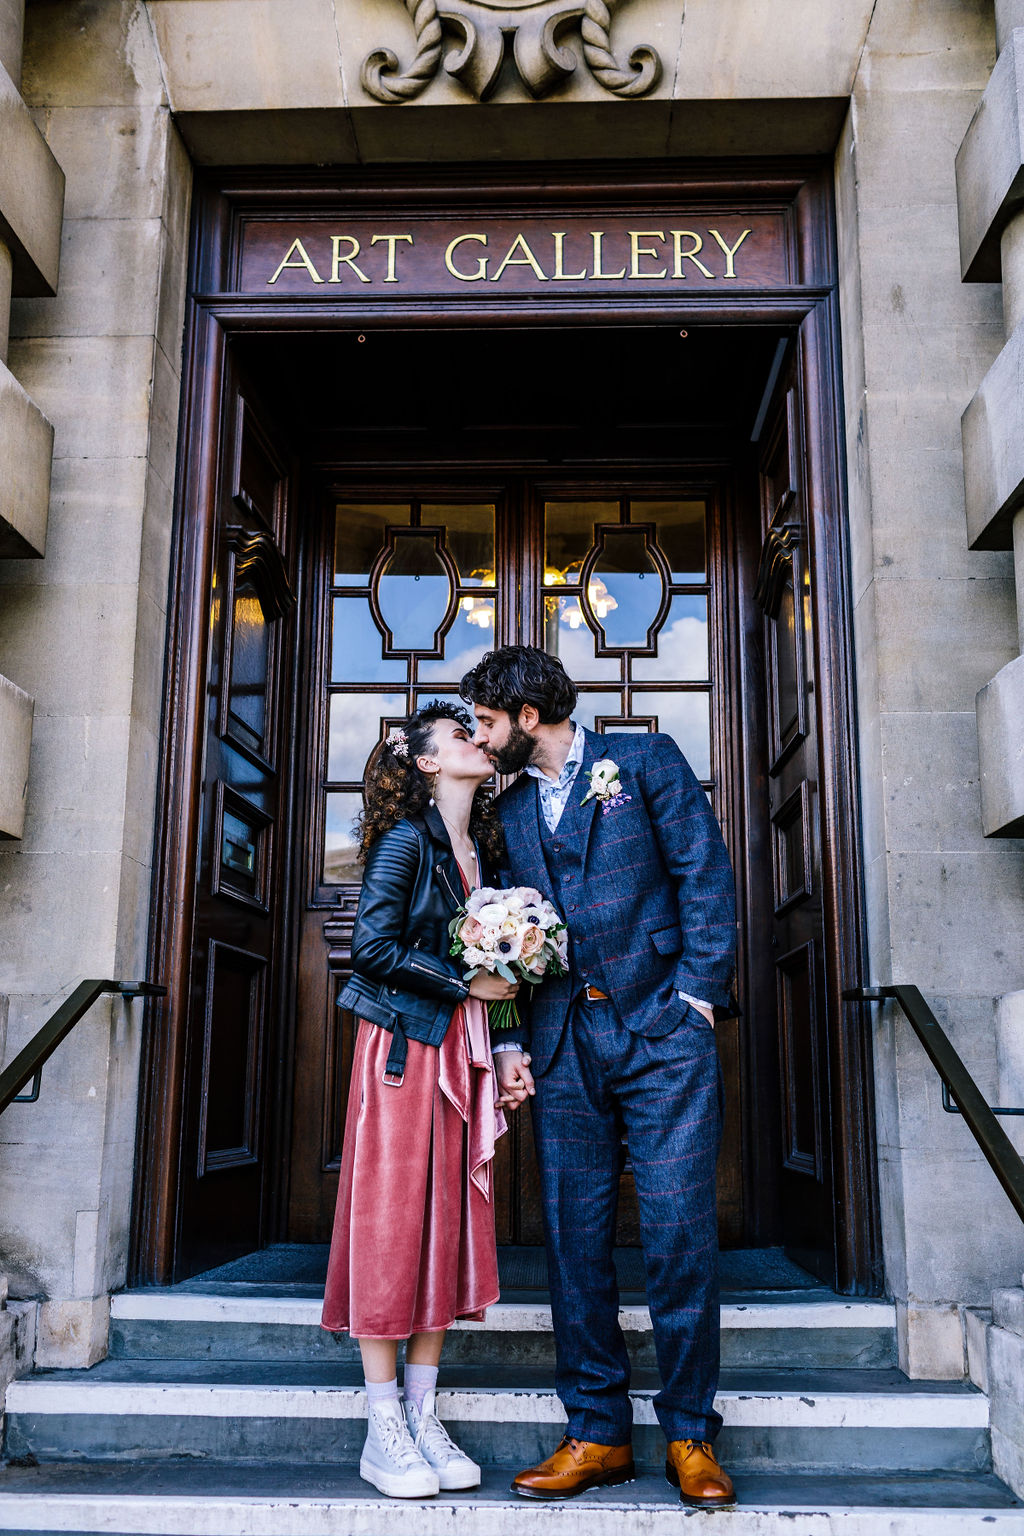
(654, 913)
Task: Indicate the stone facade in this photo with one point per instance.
(923, 120)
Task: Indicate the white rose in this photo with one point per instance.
(514, 903)
(472, 956)
(615, 787)
(494, 912)
(605, 769)
(489, 939)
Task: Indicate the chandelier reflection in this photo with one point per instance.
(479, 610)
(569, 611)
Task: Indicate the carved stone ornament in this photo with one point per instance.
(537, 28)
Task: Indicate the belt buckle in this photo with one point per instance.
(393, 1079)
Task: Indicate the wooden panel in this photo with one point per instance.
(242, 849)
(798, 1040)
(792, 850)
(232, 1057)
(667, 248)
(257, 473)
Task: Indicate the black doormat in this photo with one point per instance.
(520, 1269)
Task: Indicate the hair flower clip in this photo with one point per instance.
(398, 741)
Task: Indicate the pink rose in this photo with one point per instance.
(533, 938)
(471, 931)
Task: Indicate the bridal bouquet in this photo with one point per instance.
(516, 933)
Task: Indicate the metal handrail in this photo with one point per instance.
(29, 1062)
(1000, 1153)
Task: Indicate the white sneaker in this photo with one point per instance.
(453, 1467)
(390, 1461)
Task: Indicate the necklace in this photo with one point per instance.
(467, 845)
(463, 837)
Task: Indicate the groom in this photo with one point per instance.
(624, 1044)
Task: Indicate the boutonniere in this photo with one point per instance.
(605, 786)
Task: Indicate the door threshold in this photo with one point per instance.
(300, 1269)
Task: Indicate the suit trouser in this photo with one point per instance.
(666, 1095)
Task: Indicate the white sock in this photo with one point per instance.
(417, 1382)
(382, 1391)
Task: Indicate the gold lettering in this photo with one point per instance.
(678, 236)
(338, 260)
(302, 260)
(391, 241)
(636, 250)
(527, 259)
(730, 250)
(560, 275)
(481, 266)
(597, 235)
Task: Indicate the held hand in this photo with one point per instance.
(492, 988)
(515, 1080)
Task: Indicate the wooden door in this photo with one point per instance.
(238, 927)
(624, 583)
(795, 913)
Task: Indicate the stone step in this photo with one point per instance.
(314, 1413)
(145, 1499)
(808, 1330)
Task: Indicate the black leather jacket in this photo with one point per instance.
(404, 978)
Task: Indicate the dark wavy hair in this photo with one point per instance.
(393, 786)
(515, 675)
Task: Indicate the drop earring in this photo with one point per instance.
(433, 785)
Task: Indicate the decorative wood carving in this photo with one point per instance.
(776, 556)
(258, 560)
(536, 27)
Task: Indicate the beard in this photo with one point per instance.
(517, 751)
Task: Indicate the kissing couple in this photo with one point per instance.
(619, 1043)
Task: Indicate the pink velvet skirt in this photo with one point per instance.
(413, 1244)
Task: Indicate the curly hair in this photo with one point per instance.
(515, 675)
(395, 788)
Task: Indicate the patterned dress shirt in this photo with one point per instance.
(554, 796)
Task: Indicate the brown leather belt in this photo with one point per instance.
(595, 995)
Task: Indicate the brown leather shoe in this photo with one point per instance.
(692, 1468)
(576, 1466)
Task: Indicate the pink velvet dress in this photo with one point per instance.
(413, 1244)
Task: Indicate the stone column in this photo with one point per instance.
(990, 194)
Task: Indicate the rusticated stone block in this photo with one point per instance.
(31, 195)
(15, 746)
(1001, 752)
(26, 454)
(72, 1335)
(1006, 1395)
(990, 166)
(992, 428)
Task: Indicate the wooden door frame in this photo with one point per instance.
(808, 307)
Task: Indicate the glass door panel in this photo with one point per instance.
(627, 600)
(413, 603)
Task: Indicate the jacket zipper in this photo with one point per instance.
(441, 871)
(414, 965)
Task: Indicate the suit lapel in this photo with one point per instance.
(586, 815)
(522, 830)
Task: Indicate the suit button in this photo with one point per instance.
(393, 991)
(557, 847)
(567, 877)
